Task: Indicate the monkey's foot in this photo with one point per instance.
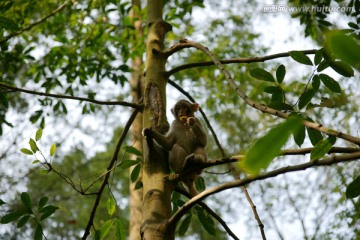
(172, 176)
(197, 158)
(147, 132)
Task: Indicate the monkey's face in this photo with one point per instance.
(183, 109)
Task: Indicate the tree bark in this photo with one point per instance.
(136, 83)
(156, 186)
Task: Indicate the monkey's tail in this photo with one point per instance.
(190, 185)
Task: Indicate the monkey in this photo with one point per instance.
(185, 141)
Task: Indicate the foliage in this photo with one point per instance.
(27, 212)
(61, 51)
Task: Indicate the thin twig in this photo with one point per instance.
(61, 96)
(106, 178)
(229, 61)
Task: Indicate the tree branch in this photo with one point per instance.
(304, 151)
(62, 6)
(264, 108)
(183, 45)
(106, 178)
(121, 103)
(242, 182)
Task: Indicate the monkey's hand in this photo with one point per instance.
(191, 121)
(147, 132)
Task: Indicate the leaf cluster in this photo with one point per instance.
(27, 212)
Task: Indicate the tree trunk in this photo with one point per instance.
(156, 186)
(136, 83)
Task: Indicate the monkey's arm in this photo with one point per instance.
(166, 142)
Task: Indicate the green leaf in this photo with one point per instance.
(321, 148)
(119, 230)
(306, 98)
(38, 232)
(23, 221)
(52, 149)
(262, 74)
(200, 184)
(3, 100)
(8, 24)
(6, 6)
(133, 150)
(128, 163)
(353, 190)
(280, 73)
(280, 106)
(47, 211)
(314, 135)
(206, 221)
(273, 89)
(318, 56)
(63, 106)
(110, 206)
(342, 68)
(26, 151)
(42, 202)
(330, 83)
(300, 57)
(105, 228)
(135, 173)
(26, 201)
(175, 197)
(184, 225)
(271, 143)
(38, 134)
(343, 47)
(35, 161)
(323, 65)
(48, 208)
(138, 185)
(12, 216)
(315, 82)
(33, 145)
(299, 135)
(35, 117)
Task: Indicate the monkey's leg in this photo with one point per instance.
(199, 156)
(177, 157)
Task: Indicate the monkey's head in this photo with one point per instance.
(184, 109)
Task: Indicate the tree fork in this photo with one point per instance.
(156, 186)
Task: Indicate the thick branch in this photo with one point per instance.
(242, 182)
(107, 175)
(264, 108)
(121, 103)
(62, 6)
(183, 45)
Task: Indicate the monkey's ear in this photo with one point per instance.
(195, 106)
(173, 112)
